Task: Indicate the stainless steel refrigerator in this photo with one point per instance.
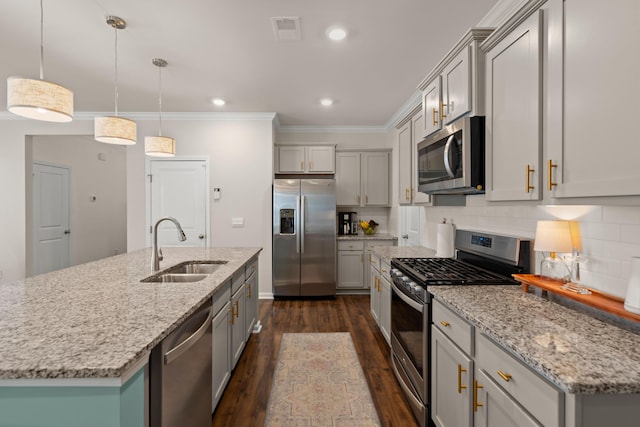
(304, 237)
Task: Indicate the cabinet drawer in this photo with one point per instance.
(374, 260)
(221, 297)
(385, 269)
(350, 245)
(237, 280)
(453, 326)
(534, 393)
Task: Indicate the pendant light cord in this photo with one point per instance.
(160, 99)
(115, 81)
(41, 41)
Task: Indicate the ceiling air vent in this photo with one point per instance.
(286, 27)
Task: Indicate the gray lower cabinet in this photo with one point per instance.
(221, 356)
(380, 295)
(235, 305)
(351, 264)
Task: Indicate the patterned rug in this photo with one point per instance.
(319, 382)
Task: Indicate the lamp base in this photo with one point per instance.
(555, 268)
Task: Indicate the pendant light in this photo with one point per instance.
(159, 146)
(37, 98)
(114, 129)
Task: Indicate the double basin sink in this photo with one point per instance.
(186, 272)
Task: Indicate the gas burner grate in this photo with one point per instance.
(448, 271)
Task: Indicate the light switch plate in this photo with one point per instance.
(237, 222)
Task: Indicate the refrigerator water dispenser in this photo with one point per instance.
(287, 221)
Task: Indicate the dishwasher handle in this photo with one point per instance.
(185, 345)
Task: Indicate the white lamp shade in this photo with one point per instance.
(553, 236)
(39, 100)
(115, 130)
(159, 146)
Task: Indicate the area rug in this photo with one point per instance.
(318, 381)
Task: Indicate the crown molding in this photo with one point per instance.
(205, 116)
(406, 110)
(332, 129)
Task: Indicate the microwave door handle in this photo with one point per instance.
(447, 157)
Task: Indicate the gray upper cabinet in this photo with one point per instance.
(363, 178)
(312, 159)
(598, 153)
(454, 87)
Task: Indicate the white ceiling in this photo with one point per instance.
(227, 48)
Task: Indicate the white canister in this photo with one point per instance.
(632, 300)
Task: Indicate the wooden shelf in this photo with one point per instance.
(596, 299)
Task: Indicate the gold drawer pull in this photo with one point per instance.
(444, 323)
(232, 314)
(476, 404)
(433, 117)
(506, 377)
(237, 309)
(460, 386)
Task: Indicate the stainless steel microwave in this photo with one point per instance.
(451, 160)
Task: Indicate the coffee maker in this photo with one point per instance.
(347, 223)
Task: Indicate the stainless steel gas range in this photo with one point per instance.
(481, 259)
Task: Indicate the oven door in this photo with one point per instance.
(409, 345)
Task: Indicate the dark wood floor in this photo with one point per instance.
(245, 400)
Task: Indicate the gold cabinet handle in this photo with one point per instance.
(237, 309)
(358, 199)
(550, 183)
(442, 115)
(530, 170)
(460, 371)
(444, 323)
(366, 199)
(406, 194)
(310, 166)
(301, 166)
(506, 377)
(248, 292)
(476, 404)
(433, 117)
(378, 283)
(232, 314)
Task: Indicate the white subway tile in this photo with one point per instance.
(601, 231)
(621, 214)
(630, 233)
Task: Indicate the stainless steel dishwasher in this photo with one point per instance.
(180, 381)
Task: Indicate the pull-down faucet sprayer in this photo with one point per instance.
(156, 255)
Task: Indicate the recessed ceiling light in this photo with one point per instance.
(326, 102)
(219, 102)
(336, 33)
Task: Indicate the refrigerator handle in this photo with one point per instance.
(297, 226)
(302, 225)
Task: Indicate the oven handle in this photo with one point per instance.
(413, 304)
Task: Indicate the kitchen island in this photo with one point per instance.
(78, 339)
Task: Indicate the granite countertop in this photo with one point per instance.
(573, 350)
(362, 236)
(97, 320)
(388, 252)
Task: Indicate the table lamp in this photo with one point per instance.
(553, 237)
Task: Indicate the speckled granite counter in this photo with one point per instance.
(388, 252)
(362, 236)
(97, 320)
(579, 353)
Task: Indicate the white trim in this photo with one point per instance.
(79, 382)
(409, 105)
(332, 129)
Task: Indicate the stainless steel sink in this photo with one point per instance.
(196, 267)
(175, 278)
(186, 272)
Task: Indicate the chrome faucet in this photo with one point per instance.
(156, 255)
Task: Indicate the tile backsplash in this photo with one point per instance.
(610, 234)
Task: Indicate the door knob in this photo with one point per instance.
(201, 236)
(67, 231)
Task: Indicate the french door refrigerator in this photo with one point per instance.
(304, 237)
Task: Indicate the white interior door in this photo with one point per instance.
(409, 225)
(51, 213)
(178, 188)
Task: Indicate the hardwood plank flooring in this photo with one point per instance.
(245, 399)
